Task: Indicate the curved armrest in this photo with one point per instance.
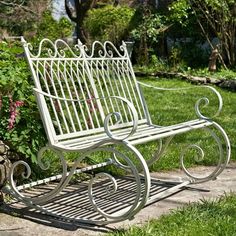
(118, 116)
(202, 101)
(108, 117)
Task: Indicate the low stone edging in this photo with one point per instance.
(222, 83)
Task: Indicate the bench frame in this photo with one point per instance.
(113, 133)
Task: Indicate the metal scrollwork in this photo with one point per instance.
(47, 48)
(107, 129)
(141, 194)
(58, 64)
(60, 48)
(26, 175)
(142, 190)
(105, 50)
(200, 156)
(160, 150)
(205, 101)
(119, 119)
(202, 102)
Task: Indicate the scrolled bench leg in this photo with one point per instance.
(16, 191)
(142, 192)
(132, 160)
(224, 155)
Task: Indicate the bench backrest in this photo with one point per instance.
(77, 86)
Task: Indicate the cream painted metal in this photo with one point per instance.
(90, 101)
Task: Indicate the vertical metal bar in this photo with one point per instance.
(59, 76)
(116, 70)
(133, 84)
(79, 74)
(97, 73)
(109, 76)
(76, 94)
(44, 77)
(83, 77)
(146, 111)
(45, 116)
(92, 82)
(65, 76)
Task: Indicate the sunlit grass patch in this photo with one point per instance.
(208, 217)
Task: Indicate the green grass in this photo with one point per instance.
(220, 74)
(170, 107)
(207, 218)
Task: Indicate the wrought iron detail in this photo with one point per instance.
(222, 162)
(140, 197)
(105, 50)
(200, 102)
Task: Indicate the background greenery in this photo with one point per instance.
(27, 134)
(182, 33)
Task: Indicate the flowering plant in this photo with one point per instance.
(20, 124)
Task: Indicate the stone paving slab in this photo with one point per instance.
(29, 225)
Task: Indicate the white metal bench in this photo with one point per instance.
(90, 101)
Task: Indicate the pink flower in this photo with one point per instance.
(92, 104)
(13, 112)
(19, 103)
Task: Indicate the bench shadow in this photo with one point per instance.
(74, 202)
(47, 220)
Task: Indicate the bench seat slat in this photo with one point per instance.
(100, 130)
(144, 133)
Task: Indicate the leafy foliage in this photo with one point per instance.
(20, 123)
(214, 19)
(180, 12)
(18, 16)
(152, 25)
(52, 29)
(147, 34)
(18, 105)
(109, 23)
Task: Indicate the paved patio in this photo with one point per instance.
(31, 224)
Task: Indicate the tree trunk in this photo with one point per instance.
(81, 9)
(213, 59)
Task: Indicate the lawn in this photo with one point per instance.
(206, 218)
(169, 107)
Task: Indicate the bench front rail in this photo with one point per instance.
(90, 102)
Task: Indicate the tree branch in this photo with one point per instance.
(12, 4)
(208, 40)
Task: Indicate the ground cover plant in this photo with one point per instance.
(20, 125)
(208, 217)
(161, 66)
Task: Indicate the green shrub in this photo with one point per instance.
(52, 29)
(20, 125)
(109, 23)
(147, 35)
